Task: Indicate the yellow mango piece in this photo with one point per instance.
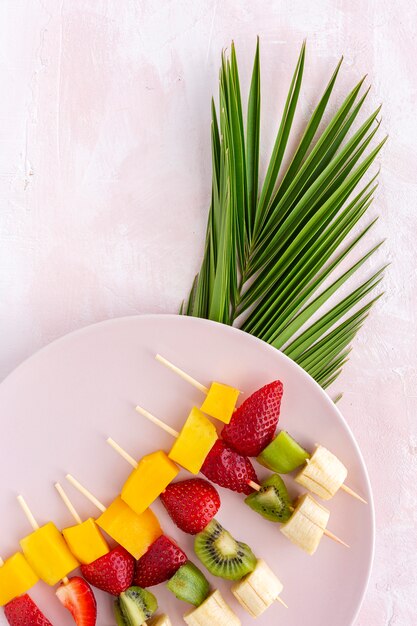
(86, 541)
(195, 441)
(151, 477)
(48, 554)
(16, 578)
(132, 531)
(220, 402)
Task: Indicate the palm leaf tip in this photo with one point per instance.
(271, 243)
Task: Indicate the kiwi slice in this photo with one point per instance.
(272, 501)
(222, 554)
(283, 454)
(120, 619)
(134, 606)
(189, 584)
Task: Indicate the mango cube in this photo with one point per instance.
(48, 554)
(16, 578)
(132, 531)
(86, 541)
(151, 477)
(220, 402)
(194, 442)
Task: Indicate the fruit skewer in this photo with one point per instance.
(188, 583)
(111, 571)
(320, 514)
(50, 557)
(257, 587)
(16, 579)
(324, 473)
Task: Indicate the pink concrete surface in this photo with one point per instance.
(104, 188)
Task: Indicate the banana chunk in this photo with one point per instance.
(323, 474)
(258, 590)
(307, 524)
(159, 620)
(212, 612)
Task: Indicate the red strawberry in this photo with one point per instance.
(159, 563)
(254, 423)
(227, 468)
(192, 504)
(112, 572)
(24, 612)
(78, 597)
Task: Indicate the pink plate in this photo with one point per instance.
(59, 406)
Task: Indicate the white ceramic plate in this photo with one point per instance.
(58, 407)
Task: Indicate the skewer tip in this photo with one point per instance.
(281, 601)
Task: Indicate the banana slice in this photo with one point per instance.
(258, 590)
(213, 612)
(323, 474)
(307, 524)
(159, 620)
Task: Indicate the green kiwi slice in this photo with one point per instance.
(283, 454)
(272, 501)
(222, 554)
(189, 584)
(134, 606)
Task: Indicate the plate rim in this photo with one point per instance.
(272, 349)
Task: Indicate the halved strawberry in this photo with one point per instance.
(23, 611)
(192, 504)
(77, 596)
(159, 563)
(227, 468)
(254, 423)
(112, 572)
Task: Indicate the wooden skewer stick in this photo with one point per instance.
(79, 487)
(158, 422)
(122, 452)
(133, 463)
(1, 562)
(352, 493)
(32, 521)
(205, 390)
(182, 374)
(328, 534)
(71, 508)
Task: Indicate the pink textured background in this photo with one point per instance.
(105, 178)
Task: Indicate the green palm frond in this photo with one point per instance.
(273, 247)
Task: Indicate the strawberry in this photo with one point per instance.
(112, 572)
(24, 612)
(192, 504)
(159, 563)
(77, 596)
(228, 468)
(254, 423)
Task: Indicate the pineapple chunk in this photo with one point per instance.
(212, 612)
(134, 532)
(86, 541)
(258, 590)
(48, 554)
(194, 442)
(220, 402)
(323, 474)
(16, 578)
(151, 477)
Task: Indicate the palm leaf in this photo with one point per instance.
(271, 245)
